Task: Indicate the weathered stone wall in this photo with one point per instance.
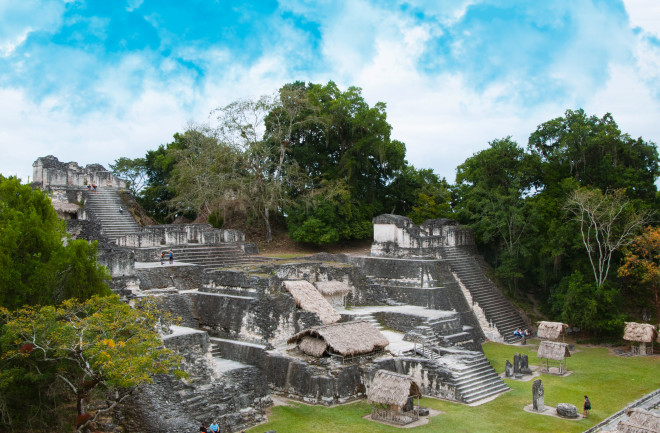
(235, 398)
(119, 261)
(240, 351)
(180, 234)
(297, 379)
(179, 277)
(338, 267)
(265, 318)
(433, 379)
(49, 171)
(330, 382)
(398, 236)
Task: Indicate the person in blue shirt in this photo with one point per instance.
(215, 428)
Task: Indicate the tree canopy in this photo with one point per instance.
(39, 264)
(101, 347)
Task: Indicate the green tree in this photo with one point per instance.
(419, 194)
(608, 222)
(134, 171)
(263, 168)
(595, 153)
(36, 266)
(590, 307)
(640, 268)
(101, 348)
(341, 144)
(206, 175)
(491, 189)
(157, 195)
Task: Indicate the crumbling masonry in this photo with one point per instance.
(422, 288)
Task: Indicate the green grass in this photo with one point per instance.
(610, 381)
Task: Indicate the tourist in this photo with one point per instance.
(587, 407)
(162, 257)
(203, 429)
(94, 187)
(121, 209)
(171, 257)
(215, 428)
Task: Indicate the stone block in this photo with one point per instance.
(567, 410)
(538, 402)
(508, 369)
(516, 363)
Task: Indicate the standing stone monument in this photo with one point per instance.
(524, 365)
(516, 363)
(537, 396)
(508, 369)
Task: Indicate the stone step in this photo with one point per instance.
(486, 393)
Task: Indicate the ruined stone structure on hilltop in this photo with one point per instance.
(252, 326)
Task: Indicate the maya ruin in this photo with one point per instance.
(317, 329)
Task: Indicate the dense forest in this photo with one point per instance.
(566, 221)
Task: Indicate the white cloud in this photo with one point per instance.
(644, 14)
(19, 20)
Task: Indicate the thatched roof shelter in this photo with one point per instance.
(308, 298)
(640, 421)
(313, 346)
(392, 389)
(346, 339)
(551, 330)
(553, 350)
(639, 332)
(332, 288)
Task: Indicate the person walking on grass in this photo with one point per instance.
(587, 407)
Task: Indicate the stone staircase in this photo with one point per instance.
(368, 317)
(472, 374)
(103, 206)
(211, 257)
(496, 307)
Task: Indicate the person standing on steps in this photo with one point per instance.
(162, 257)
(587, 407)
(171, 257)
(94, 188)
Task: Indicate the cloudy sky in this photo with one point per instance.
(93, 80)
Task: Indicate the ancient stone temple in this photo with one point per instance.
(316, 329)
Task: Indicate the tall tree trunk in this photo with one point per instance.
(269, 234)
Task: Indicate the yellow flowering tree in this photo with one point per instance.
(101, 346)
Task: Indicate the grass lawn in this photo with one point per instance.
(610, 381)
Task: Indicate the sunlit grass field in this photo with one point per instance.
(610, 381)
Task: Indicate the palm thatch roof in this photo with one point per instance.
(640, 332)
(332, 288)
(313, 346)
(392, 388)
(640, 421)
(553, 350)
(551, 330)
(347, 338)
(308, 298)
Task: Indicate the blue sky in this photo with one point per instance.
(91, 81)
